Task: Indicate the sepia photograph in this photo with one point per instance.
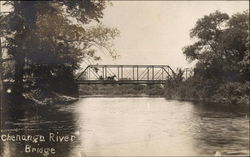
(83, 78)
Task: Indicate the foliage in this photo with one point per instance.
(221, 52)
(179, 76)
(49, 39)
(232, 93)
(122, 90)
(221, 48)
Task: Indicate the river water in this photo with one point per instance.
(138, 126)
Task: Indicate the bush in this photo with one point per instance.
(233, 93)
(210, 91)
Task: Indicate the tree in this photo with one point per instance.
(45, 41)
(221, 48)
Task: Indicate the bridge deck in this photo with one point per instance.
(121, 82)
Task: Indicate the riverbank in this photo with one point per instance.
(34, 98)
(121, 96)
(233, 93)
(126, 90)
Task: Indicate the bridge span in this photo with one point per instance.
(126, 74)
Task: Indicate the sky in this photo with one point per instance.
(155, 32)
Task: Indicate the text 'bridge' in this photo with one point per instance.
(125, 74)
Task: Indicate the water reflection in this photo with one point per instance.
(155, 126)
(39, 132)
(222, 128)
(131, 127)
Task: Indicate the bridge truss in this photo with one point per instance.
(125, 74)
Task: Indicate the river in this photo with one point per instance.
(132, 126)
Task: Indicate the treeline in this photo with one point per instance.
(45, 42)
(221, 52)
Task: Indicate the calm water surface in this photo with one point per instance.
(132, 127)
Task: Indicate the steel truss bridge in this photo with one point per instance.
(125, 74)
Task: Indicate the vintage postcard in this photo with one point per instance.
(124, 78)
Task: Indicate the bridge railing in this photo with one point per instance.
(126, 74)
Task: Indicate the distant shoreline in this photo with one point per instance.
(112, 96)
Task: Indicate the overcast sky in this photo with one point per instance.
(154, 32)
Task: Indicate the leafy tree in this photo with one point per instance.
(48, 40)
(222, 48)
(221, 52)
(179, 76)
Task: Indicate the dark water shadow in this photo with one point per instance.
(221, 127)
(39, 127)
